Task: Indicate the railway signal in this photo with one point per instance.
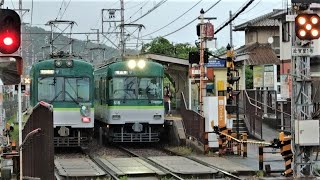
(10, 33)
(307, 26)
(231, 79)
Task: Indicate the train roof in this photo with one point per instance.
(152, 68)
(46, 62)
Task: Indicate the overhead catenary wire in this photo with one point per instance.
(148, 12)
(192, 20)
(234, 16)
(137, 11)
(174, 19)
(134, 6)
(60, 9)
(65, 9)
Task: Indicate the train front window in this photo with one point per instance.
(77, 89)
(52, 89)
(135, 88)
(123, 88)
(149, 88)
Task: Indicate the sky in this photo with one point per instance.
(87, 15)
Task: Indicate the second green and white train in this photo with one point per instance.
(129, 101)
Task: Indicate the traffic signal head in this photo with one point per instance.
(307, 26)
(232, 79)
(10, 34)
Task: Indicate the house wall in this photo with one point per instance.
(260, 35)
(220, 79)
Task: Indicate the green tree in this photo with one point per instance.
(163, 46)
(220, 51)
(249, 77)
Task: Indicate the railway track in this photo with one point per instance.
(161, 151)
(222, 171)
(174, 175)
(118, 162)
(80, 166)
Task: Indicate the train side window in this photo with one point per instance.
(100, 89)
(106, 89)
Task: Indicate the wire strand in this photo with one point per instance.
(234, 16)
(191, 20)
(148, 12)
(174, 19)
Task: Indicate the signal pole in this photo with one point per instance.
(122, 40)
(304, 129)
(202, 88)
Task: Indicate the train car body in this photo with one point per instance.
(67, 84)
(129, 101)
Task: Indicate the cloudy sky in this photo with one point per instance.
(87, 15)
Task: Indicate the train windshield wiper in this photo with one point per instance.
(55, 97)
(72, 97)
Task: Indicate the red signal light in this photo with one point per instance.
(10, 32)
(8, 41)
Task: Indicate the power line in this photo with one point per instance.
(174, 19)
(31, 16)
(60, 9)
(137, 5)
(234, 16)
(152, 9)
(192, 20)
(138, 10)
(65, 9)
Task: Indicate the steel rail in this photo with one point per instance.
(150, 162)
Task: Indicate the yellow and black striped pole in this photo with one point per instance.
(261, 158)
(230, 107)
(286, 152)
(244, 139)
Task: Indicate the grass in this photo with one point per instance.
(182, 150)
(15, 133)
(123, 178)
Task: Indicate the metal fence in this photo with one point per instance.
(259, 106)
(193, 122)
(38, 151)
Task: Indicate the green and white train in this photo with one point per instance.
(129, 101)
(67, 84)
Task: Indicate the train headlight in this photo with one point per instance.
(116, 117)
(141, 64)
(69, 63)
(132, 64)
(58, 63)
(85, 110)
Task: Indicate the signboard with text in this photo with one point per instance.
(216, 63)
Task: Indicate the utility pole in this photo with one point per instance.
(54, 38)
(202, 85)
(122, 40)
(230, 25)
(114, 23)
(304, 129)
(20, 102)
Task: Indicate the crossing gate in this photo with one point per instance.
(38, 150)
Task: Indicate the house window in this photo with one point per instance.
(285, 32)
(276, 45)
(276, 42)
(250, 38)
